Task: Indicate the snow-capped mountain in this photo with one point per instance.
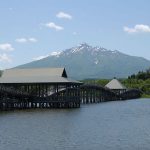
(85, 61)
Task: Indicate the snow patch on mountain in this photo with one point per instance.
(81, 48)
(99, 49)
(115, 51)
(57, 54)
(96, 61)
(40, 57)
(75, 50)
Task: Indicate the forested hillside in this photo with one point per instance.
(141, 81)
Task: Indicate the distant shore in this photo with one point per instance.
(145, 96)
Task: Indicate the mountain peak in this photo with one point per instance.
(84, 47)
(80, 47)
(84, 44)
(85, 61)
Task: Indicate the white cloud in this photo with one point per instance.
(52, 25)
(5, 58)
(75, 33)
(139, 28)
(25, 40)
(32, 40)
(21, 40)
(6, 47)
(10, 8)
(63, 15)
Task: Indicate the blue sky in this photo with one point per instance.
(34, 28)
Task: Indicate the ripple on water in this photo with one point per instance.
(113, 125)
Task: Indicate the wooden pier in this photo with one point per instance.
(11, 98)
(72, 97)
(50, 88)
(96, 94)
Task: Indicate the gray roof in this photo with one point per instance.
(40, 75)
(33, 72)
(115, 84)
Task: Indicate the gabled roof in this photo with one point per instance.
(115, 84)
(34, 72)
(36, 75)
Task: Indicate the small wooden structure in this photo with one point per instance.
(116, 86)
(121, 91)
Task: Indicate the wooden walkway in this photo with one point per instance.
(95, 94)
(11, 98)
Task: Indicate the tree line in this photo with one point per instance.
(141, 81)
(143, 75)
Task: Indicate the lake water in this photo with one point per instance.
(123, 125)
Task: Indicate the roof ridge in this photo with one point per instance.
(115, 84)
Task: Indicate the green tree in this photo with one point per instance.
(0, 73)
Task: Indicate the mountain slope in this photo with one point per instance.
(85, 61)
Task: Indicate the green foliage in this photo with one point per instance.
(0, 73)
(140, 80)
(144, 75)
(143, 85)
(101, 82)
(145, 96)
